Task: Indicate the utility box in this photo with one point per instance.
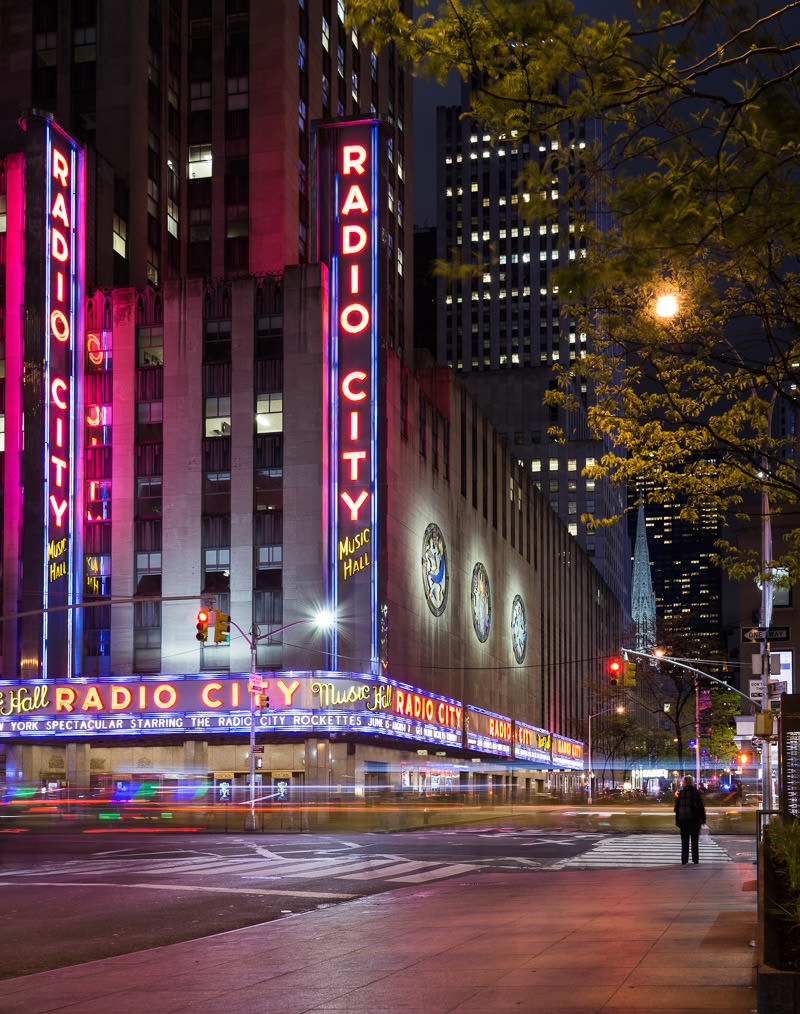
(762, 723)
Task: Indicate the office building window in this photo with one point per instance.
(269, 412)
(200, 162)
(217, 416)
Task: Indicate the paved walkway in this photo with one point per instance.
(672, 939)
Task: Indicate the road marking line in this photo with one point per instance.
(343, 870)
(187, 887)
(445, 871)
(387, 871)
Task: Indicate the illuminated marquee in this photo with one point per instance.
(298, 702)
(567, 753)
(531, 743)
(488, 732)
(63, 271)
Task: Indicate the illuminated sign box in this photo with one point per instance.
(532, 744)
(488, 732)
(567, 753)
(298, 702)
(352, 217)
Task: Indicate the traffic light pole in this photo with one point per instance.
(253, 639)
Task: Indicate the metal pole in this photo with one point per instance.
(589, 797)
(696, 732)
(766, 619)
(766, 742)
(251, 819)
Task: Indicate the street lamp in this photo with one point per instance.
(619, 710)
(324, 620)
(666, 305)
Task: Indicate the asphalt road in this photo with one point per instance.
(69, 898)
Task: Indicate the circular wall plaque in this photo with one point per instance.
(481, 602)
(434, 569)
(519, 629)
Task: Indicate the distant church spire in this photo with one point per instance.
(643, 598)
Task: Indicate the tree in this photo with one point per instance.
(719, 744)
(697, 174)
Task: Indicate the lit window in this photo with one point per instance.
(572, 465)
(326, 35)
(553, 464)
(218, 416)
(120, 236)
(172, 219)
(218, 559)
(269, 413)
(536, 465)
(199, 161)
(572, 529)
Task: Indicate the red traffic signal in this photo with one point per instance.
(202, 625)
(614, 672)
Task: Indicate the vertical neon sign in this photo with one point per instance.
(63, 283)
(350, 209)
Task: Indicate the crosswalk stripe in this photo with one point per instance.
(447, 871)
(641, 850)
(388, 871)
(344, 871)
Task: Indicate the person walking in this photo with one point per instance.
(690, 815)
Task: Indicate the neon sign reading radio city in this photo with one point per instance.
(355, 225)
(61, 253)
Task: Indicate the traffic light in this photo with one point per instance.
(202, 625)
(743, 758)
(614, 672)
(222, 628)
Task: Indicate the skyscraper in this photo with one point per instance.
(504, 329)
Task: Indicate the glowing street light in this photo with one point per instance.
(667, 305)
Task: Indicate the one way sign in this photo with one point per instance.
(765, 633)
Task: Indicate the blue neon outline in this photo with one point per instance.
(375, 661)
(46, 392)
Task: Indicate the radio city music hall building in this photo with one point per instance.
(256, 443)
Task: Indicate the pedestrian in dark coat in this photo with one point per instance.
(690, 815)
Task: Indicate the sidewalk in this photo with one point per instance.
(670, 939)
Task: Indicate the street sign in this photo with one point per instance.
(776, 688)
(255, 684)
(765, 633)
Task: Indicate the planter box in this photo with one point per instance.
(778, 991)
